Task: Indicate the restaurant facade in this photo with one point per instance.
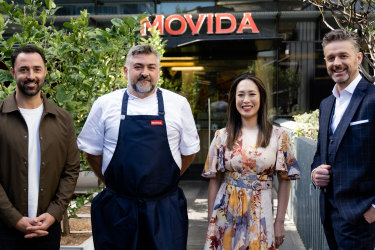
(209, 43)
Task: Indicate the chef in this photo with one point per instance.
(139, 141)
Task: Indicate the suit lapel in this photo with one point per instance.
(358, 95)
(326, 111)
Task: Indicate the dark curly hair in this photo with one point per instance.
(26, 49)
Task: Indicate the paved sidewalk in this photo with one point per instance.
(196, 195)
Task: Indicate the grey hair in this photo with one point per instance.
(342, 35)
(144, 49)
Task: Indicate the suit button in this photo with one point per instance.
(331, 141)
(141, 203)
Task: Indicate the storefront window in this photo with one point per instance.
(183, 7)
(205, 81)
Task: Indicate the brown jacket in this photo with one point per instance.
(59, 162)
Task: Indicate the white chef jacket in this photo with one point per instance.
(100, 132)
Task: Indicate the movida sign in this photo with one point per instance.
(213, 22)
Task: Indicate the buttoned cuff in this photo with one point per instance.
(55, 211)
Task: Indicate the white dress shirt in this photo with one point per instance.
(100, 132)
(342, 101)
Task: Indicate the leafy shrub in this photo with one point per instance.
(83, 62)
(307, 124)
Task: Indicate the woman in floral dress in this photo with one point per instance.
(242, 160)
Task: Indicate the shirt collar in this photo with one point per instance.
(350, 88)
(10, 105)
(133, 97)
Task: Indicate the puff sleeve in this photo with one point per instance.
(286, 164)
(215, 158)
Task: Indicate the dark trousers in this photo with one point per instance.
(343, 235)
(12, 239)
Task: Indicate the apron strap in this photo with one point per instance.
(124, 108)
(160, 102)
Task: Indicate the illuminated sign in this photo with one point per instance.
(164, 25)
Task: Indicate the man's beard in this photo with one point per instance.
(341, 80)
(27, 90)
(141, 88)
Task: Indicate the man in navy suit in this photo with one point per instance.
(344, 163)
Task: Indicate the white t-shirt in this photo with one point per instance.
(32, 118)
(100, 132)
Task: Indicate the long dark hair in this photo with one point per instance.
(234, 122)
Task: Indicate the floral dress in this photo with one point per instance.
(242, 216)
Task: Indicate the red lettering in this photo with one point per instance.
(219, 18)
(210, 28)
(173, 18)
(156, 122)
(195, 28)
(247, 23)
(158, 22)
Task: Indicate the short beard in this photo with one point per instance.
(29, 92)
(142, 90)
(342, 81)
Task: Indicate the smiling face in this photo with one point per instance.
(142, 74)
(342, 61)
(29, 71)
(247, 99)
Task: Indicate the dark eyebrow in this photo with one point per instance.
(26, 67)
(241, 91)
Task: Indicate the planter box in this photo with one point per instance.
(87, 181)
(87, 245)
(79, 228)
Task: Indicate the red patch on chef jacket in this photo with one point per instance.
(156, 122)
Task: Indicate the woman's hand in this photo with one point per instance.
(282, 203)
(279, 233)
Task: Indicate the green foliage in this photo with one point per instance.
(174, 86)
(78, 202)
(83, 62)
(307, 124)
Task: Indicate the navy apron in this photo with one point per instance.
(142, 206)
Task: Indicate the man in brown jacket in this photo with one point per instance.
(39, 159)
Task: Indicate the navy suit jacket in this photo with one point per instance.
(352, 155)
